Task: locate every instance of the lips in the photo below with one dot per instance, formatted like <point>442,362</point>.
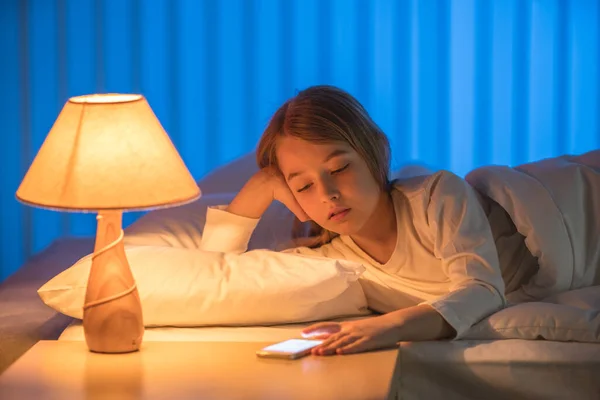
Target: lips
<point>338,213</point>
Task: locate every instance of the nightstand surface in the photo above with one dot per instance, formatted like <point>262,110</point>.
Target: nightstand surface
<point>193,370</point>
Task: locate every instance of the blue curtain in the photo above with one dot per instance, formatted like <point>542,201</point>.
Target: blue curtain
<point>455,84</point>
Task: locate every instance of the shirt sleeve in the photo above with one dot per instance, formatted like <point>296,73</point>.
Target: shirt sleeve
<point>230,233</point>
<point>226,232</point>
<point>463,242</point>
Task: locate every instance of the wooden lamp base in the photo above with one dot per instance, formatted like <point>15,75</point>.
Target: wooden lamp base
<point>112,313</point>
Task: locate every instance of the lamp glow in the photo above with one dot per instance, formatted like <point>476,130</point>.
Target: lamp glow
<point>108,153</point>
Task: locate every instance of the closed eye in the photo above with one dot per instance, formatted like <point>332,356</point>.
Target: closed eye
<point>340,169</point>
<point>303,188</point>
<point>337,171</point>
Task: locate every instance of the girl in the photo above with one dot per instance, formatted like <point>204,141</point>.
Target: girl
<point>432,267</point>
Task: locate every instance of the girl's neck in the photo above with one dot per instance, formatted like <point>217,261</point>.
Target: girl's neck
<point>378,237</point>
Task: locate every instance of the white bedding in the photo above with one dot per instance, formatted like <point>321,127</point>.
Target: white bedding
<point>553,203</point>
<point>499,369</point>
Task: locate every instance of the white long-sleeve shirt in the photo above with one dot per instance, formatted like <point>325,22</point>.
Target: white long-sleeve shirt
<point>445,254</point>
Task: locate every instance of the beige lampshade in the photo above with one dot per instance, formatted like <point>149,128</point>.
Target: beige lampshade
<point>107,152</point>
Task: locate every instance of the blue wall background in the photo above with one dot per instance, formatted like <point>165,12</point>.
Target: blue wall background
<point>455,84</point>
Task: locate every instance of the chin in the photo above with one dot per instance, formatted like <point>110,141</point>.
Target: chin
<point>348,228</point>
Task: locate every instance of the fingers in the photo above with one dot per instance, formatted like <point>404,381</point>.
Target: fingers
<point>332,345</point>
<point>285,196</point>
<point>354,347</point>
<point>269,182</point>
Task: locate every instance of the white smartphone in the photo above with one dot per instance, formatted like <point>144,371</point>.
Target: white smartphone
<point>289,349</point>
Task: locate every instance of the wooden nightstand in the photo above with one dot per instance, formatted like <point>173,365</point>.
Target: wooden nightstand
<point>193,370</point>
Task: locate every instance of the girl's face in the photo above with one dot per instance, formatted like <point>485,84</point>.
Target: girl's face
<point>331,182</point>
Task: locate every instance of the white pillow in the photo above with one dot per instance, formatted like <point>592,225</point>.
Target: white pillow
<point>183,226</point>
<point>586,298</point>
<point>411,170</point>
<point>571,316</point>
<point>231,177</point>
<point>189,287</point>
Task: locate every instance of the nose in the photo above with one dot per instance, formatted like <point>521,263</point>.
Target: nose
<point>329,190</point>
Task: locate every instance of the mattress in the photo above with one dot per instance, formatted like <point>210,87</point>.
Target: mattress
<point>498,369</point>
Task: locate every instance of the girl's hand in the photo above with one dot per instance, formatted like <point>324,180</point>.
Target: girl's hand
<point>353,336</point>
<point>260,191</point>
<point>281,191</point>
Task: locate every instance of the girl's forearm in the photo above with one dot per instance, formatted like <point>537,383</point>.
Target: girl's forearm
<point>253,200</point>
<point>419,323</point>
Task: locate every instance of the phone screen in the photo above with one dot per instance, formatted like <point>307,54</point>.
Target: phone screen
<point>293,346</point>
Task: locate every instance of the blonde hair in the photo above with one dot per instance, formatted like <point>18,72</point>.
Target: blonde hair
<point>326,114</point>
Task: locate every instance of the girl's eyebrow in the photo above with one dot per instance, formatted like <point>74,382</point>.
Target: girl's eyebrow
<point>335,153</point>
<point>331,155</point>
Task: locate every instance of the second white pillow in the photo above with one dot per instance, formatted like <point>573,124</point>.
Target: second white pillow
<point>575,317</point>
<point>190,287</point>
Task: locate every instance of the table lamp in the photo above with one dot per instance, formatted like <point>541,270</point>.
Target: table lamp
<point>107,153</point>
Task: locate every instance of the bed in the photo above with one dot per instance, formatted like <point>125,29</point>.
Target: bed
<point>491,369</point>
